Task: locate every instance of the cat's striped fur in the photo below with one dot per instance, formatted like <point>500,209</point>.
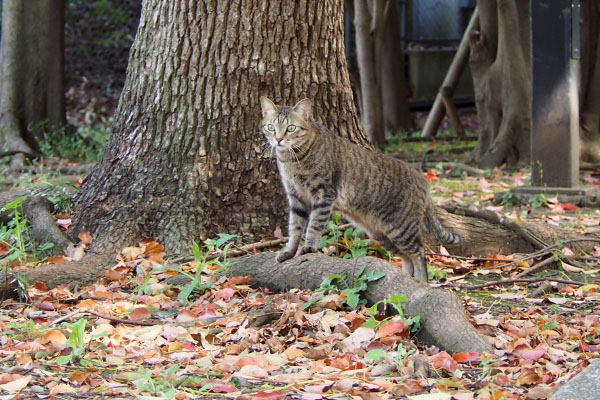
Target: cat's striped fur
<point>322,172</point>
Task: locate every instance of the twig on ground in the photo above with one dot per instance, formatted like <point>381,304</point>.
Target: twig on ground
<point>536,268</point>
<point>470,258</point>
<point>65,317</point>
<point>511,281</point>
<point>119,320</point>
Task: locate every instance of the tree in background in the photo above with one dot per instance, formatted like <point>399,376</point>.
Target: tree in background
<point>590,108</point>
<point>186,159</point>
<point>499,62</point>
<point>31,72</point>
<point>383,87</point>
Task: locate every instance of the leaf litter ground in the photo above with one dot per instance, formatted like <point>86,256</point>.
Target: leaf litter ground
<point>133,334</point>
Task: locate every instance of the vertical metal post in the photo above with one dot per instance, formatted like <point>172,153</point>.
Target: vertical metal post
<point>555,48</point>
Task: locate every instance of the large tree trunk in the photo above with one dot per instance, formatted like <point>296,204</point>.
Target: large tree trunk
<point>499,63</point>
<point>590,111</point>
<point>31,71</point>
<point>186,159</point>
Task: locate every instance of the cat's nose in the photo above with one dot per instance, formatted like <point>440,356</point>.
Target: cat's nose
<point>279,140</point>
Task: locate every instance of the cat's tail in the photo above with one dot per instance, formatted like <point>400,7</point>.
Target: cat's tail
<point>435,227</point>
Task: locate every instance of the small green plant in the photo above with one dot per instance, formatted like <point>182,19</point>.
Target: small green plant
<point>76,342</point>
<point>15,243</point>
<point>434,273</point>
<point>336,283</point>
<point>538,201</point>
<point>12,235</point>
<point>395,303</point>
<point>349,240</point>
<point>509,199</point>
<point>162,383</point>
<point>399,357</point>
<point>201,259</point>
<point>84,144</point>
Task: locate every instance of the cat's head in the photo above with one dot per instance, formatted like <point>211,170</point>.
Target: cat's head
<point>286,128</point>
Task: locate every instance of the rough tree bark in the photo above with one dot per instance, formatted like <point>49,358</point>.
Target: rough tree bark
<point>31,72</point>
<point>186,159</point>
<point>590,109</point>
<point>499,62</point>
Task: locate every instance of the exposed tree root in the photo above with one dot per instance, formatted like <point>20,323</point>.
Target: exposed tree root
<point>38,212</point>
<point>443,319</point>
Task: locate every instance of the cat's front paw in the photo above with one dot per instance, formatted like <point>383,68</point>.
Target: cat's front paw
<point>308,249</point>
<point>284,256</point>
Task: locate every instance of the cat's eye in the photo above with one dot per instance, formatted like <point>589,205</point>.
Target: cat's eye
<point>291,128</point>
<point>271,128</point>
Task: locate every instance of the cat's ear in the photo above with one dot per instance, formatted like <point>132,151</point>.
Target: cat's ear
<point>267,106</point>
<point>304,108</point>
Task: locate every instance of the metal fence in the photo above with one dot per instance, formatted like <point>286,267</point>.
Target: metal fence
<point>435,21</point>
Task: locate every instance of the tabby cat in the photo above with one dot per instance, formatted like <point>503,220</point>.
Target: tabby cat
<point>322,172</point>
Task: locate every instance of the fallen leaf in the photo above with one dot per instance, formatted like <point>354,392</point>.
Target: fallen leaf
<point>442,360</point>
<point>466,357</point>
<point>85,237</point>
<point>389,329</point>
<point>61,388</point>
<point>253,371</point>
<point>223,387</point>
<point>17,384</point>
<point>55,337</point>
<point>269,395</point>
<point>139,314</point>
<point>528,376</point>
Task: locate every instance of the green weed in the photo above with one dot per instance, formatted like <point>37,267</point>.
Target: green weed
<point>84,144</point>
<point>15,243</point>
<point>336,283</point>
<point>350,241</point>
<point>201,259</point>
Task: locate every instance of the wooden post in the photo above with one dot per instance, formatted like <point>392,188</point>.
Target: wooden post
<point>554,95</point>
<point>456,69</point>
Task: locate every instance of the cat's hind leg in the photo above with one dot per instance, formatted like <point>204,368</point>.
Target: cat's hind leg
<point>408,240</point>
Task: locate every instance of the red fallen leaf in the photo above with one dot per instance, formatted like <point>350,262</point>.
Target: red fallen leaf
<point>44,305</point>
<point>239,280</point>
<point>186,316</point>
<point>207,311</point>
<point>389,329</point>
<point>152,248</point>
<point>3,249</point>
<point>570,207</point>
<point>466,357</point>
<point>188,346</point>
<point>85,236</point>
<point>139,314</point>
<point>225,293</point>
<point>444,361</point>
<point>78,377</point>
<point>431,144</point>
<point>223,387</point>
<point>40,286</point>
<point>589,347</point>
<point>55,259</point>
<point>268,395</point>
<point>430,176</point>
<point>240,362</point>
<point>114,275</point>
